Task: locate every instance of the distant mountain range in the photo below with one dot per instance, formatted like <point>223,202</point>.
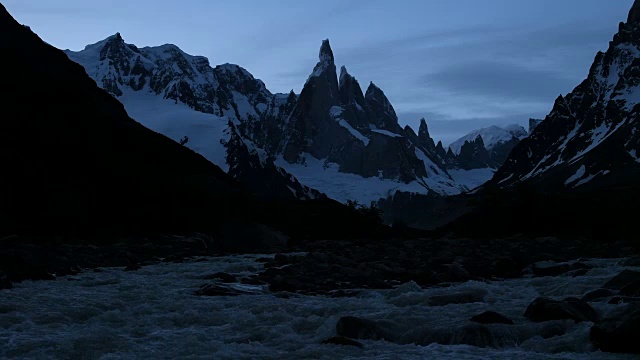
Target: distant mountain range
<point>331,139</point>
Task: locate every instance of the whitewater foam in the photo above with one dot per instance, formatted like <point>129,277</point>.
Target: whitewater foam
<point>152,313</point>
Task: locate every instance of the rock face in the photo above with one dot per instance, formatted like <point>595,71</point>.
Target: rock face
<point>533,123</point>
<point>591,135</point>
<point>253,167</point>
<point>333,120</point>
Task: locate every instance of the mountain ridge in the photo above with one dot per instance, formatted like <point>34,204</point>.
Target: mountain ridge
<point>355,130</point>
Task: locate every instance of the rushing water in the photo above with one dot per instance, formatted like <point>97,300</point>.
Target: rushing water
<point>152,313</point>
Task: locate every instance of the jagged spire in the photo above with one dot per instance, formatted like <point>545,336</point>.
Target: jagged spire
<point>424,137</point>
<point>325,64</point>
<point>372,89</point>
<point>343,74</point>
<point>634,13</point>
<point>478,140</point>
<point>326,54</point>
<point>424,129</point>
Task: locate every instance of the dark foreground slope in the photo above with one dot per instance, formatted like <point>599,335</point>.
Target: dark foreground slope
<point>72,158</point>
<point>607,214</point>
<point>73,162</point>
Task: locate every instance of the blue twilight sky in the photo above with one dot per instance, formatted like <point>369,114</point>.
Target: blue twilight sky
<point>461,64</point>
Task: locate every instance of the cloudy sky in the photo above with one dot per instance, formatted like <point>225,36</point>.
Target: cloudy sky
<point>461,64</point>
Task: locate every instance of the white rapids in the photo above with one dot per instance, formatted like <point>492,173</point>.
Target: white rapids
<point>152,313</point>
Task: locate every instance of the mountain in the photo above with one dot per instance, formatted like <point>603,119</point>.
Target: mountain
<point>591,134</point>
<point>332,137</point>
<point>485,148</point>
<point>74,162</point>
<point>533,123</point>
<point>577,173</point>
<point>182,97</point>
<point>492,136</point>
<point>77,161</point>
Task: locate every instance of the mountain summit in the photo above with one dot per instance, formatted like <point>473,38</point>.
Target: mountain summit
<point>592,134</point>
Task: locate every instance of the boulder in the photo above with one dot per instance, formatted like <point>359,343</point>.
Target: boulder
<point>456,273</point>
<point>626,277</point>
<point>358,328</point>
<point>548,268</point>
<point>5,283</point>
<point>545,309</point>
<point>222,277</point>
<point>132,267</point>
<point>221,290</point>
<point>623,299</point>
<point>249,237</point>
<point>632,289</point>
<point>507,268</point>
<point>598,294</point>
<point>618,332</point>
<point>491,317</point>
<point>462,297</point>
<point>340,340</point>
<point>632,261</point>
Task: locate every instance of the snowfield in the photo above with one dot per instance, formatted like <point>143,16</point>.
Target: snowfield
<point>206,132</point>
<point>152,313</point>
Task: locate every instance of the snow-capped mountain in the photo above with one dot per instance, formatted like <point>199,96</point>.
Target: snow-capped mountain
<point>483,148</point>
<point>491,136</point>
<point>184,98</point>
<point>331,137</point>
<point>591,135</point>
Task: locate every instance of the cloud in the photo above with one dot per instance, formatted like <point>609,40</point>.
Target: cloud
<point>498,80</point>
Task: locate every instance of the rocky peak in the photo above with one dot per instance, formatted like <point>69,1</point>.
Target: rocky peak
<point>115,49</point>
<point>326,65</point>
<point>410,133</point>
<point>533,123</point>
<point>383,114</point>
<point>236,78</point>
<point>350,91</point>
<point>292,97</point>
<point>424,138</point>
<point>373,91</point>
<point>473,154</point>
<point>634,13</point>
<point>352,100</point>
<point>588,136</point>
<point>440,150</point>
<point>326,54</point>
<point>343,75</point>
